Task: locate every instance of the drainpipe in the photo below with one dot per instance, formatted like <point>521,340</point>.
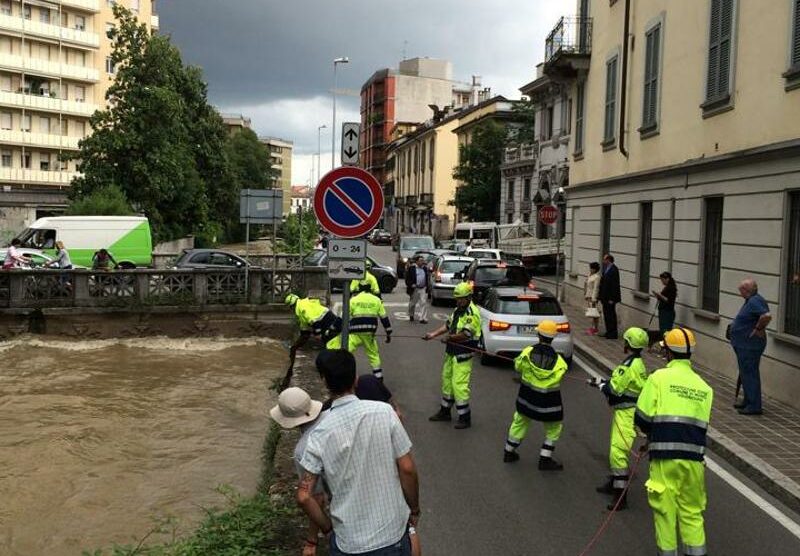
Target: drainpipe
<point>623,98</point>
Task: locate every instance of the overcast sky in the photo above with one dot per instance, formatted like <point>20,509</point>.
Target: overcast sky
<point>272,60</point>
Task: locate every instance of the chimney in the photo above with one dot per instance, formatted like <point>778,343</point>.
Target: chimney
<point>476,88</point>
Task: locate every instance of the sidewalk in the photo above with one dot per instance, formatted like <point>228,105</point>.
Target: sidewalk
<point>766,448</point>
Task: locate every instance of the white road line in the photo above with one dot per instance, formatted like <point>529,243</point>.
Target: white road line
<point>755,498</point>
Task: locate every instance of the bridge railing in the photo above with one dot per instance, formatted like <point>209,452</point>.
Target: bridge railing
<point>167,260</point>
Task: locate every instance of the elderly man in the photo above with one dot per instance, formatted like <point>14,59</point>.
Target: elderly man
<point>749,339</point>
<point>417,282</point>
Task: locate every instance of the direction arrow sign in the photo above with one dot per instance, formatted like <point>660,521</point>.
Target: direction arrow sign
<point>348,202</point>
<point>350,135</point>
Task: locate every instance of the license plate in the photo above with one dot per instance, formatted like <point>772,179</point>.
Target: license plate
<point>527,329</point>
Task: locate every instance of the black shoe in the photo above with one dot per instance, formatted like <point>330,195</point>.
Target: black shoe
<point>411,318</point>
<point>613,337</point>
<point>423,322</point>
<point>442,415</point>
<point>549,464</point>
<point>464,421</point>
<point>606,488</point>
<point>746,411</point>
<point>739,405</point>
<point>620,501</point>
<point>510,457</point>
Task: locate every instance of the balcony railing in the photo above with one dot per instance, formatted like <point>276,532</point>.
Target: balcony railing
<point>520,153</point>
<point>88,5</point>
<point>22,175</point>
<point>411,200</point>
<point>46,103</point>
<point>47,68</point>
<point>38,28</point>
<point>427,199</point>
<point>571,36</point>
<point>39,139</point>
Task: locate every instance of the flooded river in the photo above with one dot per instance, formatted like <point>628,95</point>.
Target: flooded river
<point>101,439</point>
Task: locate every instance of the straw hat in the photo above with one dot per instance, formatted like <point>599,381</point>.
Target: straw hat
<point>295,407</point>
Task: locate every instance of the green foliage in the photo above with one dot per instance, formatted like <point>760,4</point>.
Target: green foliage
<point>478,196</point>
<point>525,114</point>
<point>290,233</point>
<point>103,201</point>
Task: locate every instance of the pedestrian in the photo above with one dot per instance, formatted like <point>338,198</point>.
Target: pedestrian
<point>15,259</point>
<point>622,392</point>
<point>313,318</point>
<point>365,311</point>
<point>539,397</point>
<point>103,260</point>
<point>666,302</point>
<point>591,290</point>
<point>364,453</point>
<point>463,329</point>
<point>62,259</point>
<point>296,409</point>
<point>749,340</point>
<point>609,295</point>
<point>418,279</point>
<point>674,410</point>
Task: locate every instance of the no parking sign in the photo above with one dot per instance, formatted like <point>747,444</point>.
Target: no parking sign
<point>348,202</point>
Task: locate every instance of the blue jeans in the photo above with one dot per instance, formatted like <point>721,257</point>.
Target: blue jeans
<point>400,548</point>
<point>750,375</point>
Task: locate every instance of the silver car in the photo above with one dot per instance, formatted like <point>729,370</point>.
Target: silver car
<point>509,316</point>
<point>443,280</point>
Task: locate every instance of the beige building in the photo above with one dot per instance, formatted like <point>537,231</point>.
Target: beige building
<point>54,71</point>
<point>280,155</point>
<point>236,122</point>
<point>686,157</point>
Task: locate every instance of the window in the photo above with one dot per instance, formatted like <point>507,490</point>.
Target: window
<point>510,218</point>
<point>44,162</point>
<point>605,231</point>
<point>712,253</point>
<point>5,83</point>
<point>44,51</point>
<point>65,127</point>
<point>79,92</point>
<point>718,79</point>
<point>609,133</point>
<point>645,242</point>
<point>510,196</point>
<point>109,29</point>
<point>526,189</point>
<point>526,217</point>
<point>792,75</point>
<point>5,7</point>
<point>430,158</point>
<point>423,149</point>
<point>651,75</point>
<point>579,91</point>
<point>26,11</point>
<point>26,122</point>
<point>44,125</point>
<point>5,159</point>
<point>135,5</point>
<point>25,160</point>
<point>80,23</point>
<point>791,323</point>
<point>547,123</point>
<point>110,66</point>
<point>44,15</point>
<point>5,120</point>
<point>64,19</point>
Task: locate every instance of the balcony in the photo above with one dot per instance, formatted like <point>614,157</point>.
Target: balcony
<point>427,199</point>
<point>46,104</point>
<point>154,22</point>
<point>568,48</point>
<point>46,140</point>
<point>47,68</point>
<point>520,153</point>
<point>22,175</point>
<point>411,200</point>
<point>30,27</point>
<point>88,5</point>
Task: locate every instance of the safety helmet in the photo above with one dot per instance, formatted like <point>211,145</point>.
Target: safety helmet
<point>636,338</point>
<point>291,299</point>
<point>462,290</point>
<point>680,340</point>
<point>547,328</point>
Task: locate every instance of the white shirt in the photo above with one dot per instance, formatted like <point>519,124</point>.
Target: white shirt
<point>356,447</point>
<point>420,277</point>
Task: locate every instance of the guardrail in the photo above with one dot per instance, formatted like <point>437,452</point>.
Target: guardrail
<point>135,289</point>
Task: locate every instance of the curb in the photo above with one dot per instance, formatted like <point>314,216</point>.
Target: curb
<point>762,473</point>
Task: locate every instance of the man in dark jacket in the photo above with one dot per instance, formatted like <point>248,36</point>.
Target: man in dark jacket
<point>610,295</point>
<point>417,282</point>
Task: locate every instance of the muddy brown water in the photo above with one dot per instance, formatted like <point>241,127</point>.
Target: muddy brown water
<point>102,440</point>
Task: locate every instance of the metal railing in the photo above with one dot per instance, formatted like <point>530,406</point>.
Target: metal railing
<point>519,153</point>
<point>571,35</point>
<point>427,199</point>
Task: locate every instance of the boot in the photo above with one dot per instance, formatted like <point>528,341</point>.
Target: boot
<point>549,464</point>
<point>510,457</point>
<point>464,421</point>
<point>442,415</point>
<point>606,488</point>
<point>621,496</point>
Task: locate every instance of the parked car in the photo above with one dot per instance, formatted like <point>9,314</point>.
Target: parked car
<point>509,316</point>
<point>484,274</point>
<point>39,259</point>
<point>443,279</point>
<point>483,253</point>
<point>386,276</point>
<point>381,237</point>
<point>210,259</point>
<point>406,246</point>
<point>453,245</point>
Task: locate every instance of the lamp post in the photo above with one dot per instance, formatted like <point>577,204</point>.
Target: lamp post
<point>319,148</point>
<point>559,198</point>
<point>336,62</point>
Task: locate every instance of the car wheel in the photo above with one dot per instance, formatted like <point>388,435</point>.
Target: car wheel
<point>387,284</point>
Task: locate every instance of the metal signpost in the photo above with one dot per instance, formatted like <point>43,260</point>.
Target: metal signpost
<point>348,203</point>
<point>260,206</point>
<point>350,147</point>
<point>549,215</point>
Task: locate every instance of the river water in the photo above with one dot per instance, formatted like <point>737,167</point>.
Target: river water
<point>101,440</point>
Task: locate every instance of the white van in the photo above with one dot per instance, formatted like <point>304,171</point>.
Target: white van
<point>478,234</point>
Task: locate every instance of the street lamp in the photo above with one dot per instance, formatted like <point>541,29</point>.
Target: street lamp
<point>559,199</point>
<point>336,62</point>
<point>319,148</point>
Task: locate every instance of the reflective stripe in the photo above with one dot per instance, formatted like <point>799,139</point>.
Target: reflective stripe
<point>463,410</point>
<point>680,419</point>
<point>463,357</point>
<point>694,550</point>
<point>677,447</point>
<point>541,390</point>
<point>624,405</point>
<point>447,402</point>
<point>619,472</point>
<point>619,482</point>
<point>642,416</point>
<point>537,409</point>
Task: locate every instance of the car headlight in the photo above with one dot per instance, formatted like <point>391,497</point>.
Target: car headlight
<point>405,259</point>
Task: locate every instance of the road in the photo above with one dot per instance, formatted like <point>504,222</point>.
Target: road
<point>474,504</point>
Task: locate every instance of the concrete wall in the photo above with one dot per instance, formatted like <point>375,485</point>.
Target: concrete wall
<point>13,220</point>
<point>414,94</point>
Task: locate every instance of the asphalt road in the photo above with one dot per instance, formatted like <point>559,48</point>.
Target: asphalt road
<point>474,504</point>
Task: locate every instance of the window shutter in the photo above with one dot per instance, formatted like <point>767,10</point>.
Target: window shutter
<point>713,51</point>
<point>652,73</point>
<point>579,119</point>
<point>796,35</point>
<point>719,49</point>
<point>611,97</point>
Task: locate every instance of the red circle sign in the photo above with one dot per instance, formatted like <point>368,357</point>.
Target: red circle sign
<point>548,214</point>
<point>348,202</point>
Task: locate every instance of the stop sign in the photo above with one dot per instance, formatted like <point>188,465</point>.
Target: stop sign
<point>548,214</point>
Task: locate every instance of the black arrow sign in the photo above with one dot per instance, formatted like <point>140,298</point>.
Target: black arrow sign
<point>350,152</point>
<point>351,134</point>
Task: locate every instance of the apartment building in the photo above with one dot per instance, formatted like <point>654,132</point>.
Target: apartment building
<point>302,198</point>
<point>55,69</point>
<point>280,156</point>
<point>686,157</point>
<point>236,122</point>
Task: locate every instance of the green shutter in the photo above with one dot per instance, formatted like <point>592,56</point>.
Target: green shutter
<point>796,35</point>
<point>719,50</point>
<point>579,119</point>
<point>611,99</point>
<point>651,75</point>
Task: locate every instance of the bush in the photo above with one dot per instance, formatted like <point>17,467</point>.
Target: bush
<point>106,201</point>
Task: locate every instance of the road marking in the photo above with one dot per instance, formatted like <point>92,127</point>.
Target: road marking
<point>755,498</point>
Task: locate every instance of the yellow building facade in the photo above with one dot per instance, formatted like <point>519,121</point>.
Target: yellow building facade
<point>280,156</point>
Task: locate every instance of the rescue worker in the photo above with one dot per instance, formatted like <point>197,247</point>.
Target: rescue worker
<point>539,397</point>
<point>365,311</point>
<point>314,319</point>
<point>369,283</point>
<point>622,392</point>
<point>674,410</point>
<point>463,329</point>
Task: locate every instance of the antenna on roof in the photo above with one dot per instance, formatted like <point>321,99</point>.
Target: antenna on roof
<point>405,48</point>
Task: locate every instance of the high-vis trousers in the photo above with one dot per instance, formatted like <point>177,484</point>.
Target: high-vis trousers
<point>676,492</point>
<point>455,383</point>
<point>370,345</point>
<point>519,430</point>
<point>622,436</point>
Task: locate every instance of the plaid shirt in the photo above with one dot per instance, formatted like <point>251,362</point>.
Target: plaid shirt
<point>356,448</point>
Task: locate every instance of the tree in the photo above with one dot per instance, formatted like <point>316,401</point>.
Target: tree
<point>159,142</point>
<point>291,236</point>
<point>524,113</point>
<point>104,201</point>
<point>478,171</point>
